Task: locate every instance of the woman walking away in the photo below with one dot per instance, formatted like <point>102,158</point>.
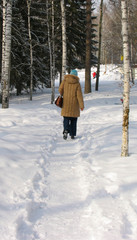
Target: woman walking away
<point>70,89</point>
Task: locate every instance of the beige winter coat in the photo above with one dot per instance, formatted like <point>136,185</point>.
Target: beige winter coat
<point>70,89</point>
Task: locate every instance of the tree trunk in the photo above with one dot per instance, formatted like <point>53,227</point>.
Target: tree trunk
<point>0,42</point>
<point>131,62</point>
<point>126,91</point>
<point>49,41</point>
<point>3,43</point>
<point>88,48</point>
<point>31,50</point>
<point>99,50</point>
<point>64,43</point>
<point>6,51</point>
<point>53,55</point>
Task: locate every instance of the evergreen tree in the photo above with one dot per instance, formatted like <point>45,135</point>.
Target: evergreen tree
<point>20,74</point>
<point>20,50</point>
<point>75,20</point>
<point>75,31</point>
<point>40,43</point>
<point>76,34</point>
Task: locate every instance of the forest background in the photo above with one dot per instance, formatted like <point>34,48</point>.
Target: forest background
<point>41,23</point>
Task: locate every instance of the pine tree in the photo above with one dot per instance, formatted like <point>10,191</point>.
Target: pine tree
<point>76,34</point>
<point>20,73</point>
<point>20,54</point>
<point>20,50</point>
<point>41,64</point>
<point>75,20</point>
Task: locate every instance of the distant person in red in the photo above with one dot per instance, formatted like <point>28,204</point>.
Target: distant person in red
<point>94,75</point>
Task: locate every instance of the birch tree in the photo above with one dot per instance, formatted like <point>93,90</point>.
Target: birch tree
<point>49,43</point>
<point>126,90</point>
<point>64,43</point>
<point>31,50</point>
<point>6,51</point>
<point>88,48</point>
<point>0,38</point>
<point>99,50</point>
<point>53,56</point>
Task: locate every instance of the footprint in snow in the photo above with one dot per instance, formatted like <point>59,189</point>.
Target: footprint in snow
<point>111,176</point>
<point>35,211</point>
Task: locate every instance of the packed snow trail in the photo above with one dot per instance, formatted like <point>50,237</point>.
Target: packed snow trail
<point>70,199</point>
<point>56,205</point>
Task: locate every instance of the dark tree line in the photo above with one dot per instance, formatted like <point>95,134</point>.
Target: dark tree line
<point>20,55</point>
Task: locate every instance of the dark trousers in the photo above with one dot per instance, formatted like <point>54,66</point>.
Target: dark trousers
<point>70,124</point>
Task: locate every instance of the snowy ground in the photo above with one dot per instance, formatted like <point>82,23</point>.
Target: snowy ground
<point>69,190</point>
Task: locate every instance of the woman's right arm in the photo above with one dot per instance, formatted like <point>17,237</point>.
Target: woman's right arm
<point>80,97</point>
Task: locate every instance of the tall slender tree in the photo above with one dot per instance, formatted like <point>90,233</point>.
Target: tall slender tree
<point>126,90</point>
<point>0,37</point>
<point>6,51</point>
<point>99,50</point>
<point>31,49</point>
<point>64,39</point>
<point>88,48</point>
<point>53,54</point>
<point>49,45</point>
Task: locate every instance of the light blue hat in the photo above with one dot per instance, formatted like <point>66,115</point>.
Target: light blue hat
<point>74,72</point>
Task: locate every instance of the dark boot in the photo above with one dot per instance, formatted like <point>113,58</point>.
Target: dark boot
<point>65,134</point>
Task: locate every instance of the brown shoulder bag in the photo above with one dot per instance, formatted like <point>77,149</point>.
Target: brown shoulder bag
<point>59,101</point>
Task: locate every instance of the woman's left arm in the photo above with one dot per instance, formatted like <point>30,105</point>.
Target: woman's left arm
<point>61,88</point>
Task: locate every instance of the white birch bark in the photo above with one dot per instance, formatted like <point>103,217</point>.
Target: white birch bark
<point>88,48</point>
<point>53,52</point>
<point>6,51</point>
<point>31,50</point>
<point>126,90</point>
<point>64,41</point>
<point>49,41</point>
<point>3,43</point>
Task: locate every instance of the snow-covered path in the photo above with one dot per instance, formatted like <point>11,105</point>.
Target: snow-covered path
<point>68,190</point>
<point>71,196</point>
